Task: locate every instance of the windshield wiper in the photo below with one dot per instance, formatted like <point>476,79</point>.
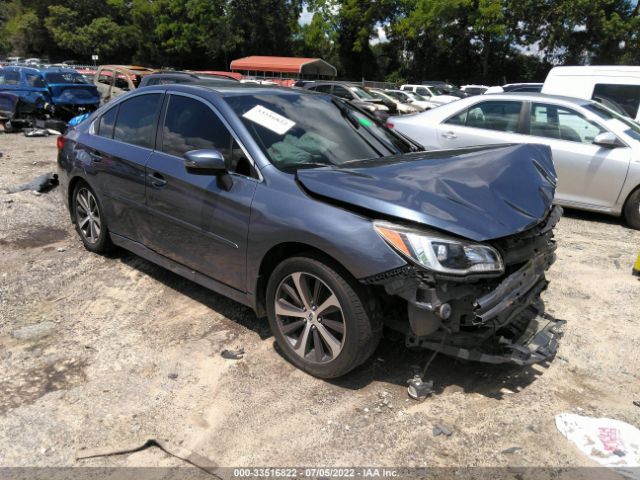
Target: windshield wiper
<point>346,112</point>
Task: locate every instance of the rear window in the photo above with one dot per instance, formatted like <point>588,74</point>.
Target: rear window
<point>136,122</point>
<point>623,97</point>
<point>66,77</point>
<point>35,80</point>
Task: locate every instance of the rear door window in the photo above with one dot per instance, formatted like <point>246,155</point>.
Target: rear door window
<point>502,116</point>
<point>9,77</point>
<point>623,97</point>
<point>340,91</point>
<point>136,120</point>
<point>107,122</point>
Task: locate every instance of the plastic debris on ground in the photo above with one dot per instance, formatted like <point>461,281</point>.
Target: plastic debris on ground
<point>233,354</point>
<point>609,442</point>
<point>40,184</point>
<point>418,389</point>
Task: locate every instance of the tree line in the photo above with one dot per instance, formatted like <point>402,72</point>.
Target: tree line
<point>488,41</point>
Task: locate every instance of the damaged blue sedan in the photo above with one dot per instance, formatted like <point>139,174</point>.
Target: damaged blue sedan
<point>302,207</point>
<point>31,96</point>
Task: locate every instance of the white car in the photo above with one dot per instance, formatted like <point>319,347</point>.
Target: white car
<point>474,89</point>
<point>595,150</point>
<point>433,94</point>
<point>411,98</point>
<point>401,105</point>
<point>617,86</point>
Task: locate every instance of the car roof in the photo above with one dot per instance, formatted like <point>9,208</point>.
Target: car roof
<point>532,96</point>
<point>20,68</point>
<point>230,89</point>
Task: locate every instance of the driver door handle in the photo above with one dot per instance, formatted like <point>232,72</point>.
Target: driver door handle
<point>157,180</point>
<point>449,135</point>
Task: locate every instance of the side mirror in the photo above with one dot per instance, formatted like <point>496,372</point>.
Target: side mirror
<point>607,140</point>
<point>205,162</point>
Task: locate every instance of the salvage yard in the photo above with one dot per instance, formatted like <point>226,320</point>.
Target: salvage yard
<point>104,353</point>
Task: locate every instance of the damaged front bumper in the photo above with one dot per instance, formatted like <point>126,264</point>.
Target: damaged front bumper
<point>538,344</point>
<point>492,319</point>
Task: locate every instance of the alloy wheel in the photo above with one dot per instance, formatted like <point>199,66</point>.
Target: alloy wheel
<point>310,318</point>
<point>88,215</point>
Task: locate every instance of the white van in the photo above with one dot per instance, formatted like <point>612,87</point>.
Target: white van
<point>617,87</point>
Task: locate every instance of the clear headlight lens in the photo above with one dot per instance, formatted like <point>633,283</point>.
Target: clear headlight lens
<point>441,254</point>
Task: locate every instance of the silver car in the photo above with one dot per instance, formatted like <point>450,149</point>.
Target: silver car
<point>595,150</point>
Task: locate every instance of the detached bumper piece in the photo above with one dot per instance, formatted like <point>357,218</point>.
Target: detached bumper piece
<point>538,344</point>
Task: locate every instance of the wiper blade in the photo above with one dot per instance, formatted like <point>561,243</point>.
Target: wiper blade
<point>346,112</point>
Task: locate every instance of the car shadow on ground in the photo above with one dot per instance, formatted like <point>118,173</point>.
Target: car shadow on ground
<point>592,216</point>
<point>234,311</point>
<point>391,363</point>
<point>395,364</point>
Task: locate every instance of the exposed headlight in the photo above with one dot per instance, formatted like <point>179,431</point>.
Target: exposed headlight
<point>440,254</point>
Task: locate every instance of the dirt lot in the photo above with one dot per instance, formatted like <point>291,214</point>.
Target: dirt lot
<point>106,352</point>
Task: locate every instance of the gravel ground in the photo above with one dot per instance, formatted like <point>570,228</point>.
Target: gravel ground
<point>107,352</point>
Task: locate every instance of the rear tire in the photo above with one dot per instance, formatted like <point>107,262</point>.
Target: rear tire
<point>631,210</point>
<point>333,338</point>
<point>89,219</point>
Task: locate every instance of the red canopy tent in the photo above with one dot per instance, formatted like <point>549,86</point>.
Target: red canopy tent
<point>276,66</point>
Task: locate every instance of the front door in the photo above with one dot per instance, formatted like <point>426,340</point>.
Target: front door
<point>200,221</point>
<point>588,174</point>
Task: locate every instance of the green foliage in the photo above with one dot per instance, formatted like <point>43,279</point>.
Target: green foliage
<point>490,41</point>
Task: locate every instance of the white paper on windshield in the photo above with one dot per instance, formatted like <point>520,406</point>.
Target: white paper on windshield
<point>269,119</point>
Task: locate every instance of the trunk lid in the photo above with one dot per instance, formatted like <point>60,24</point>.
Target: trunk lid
<point>74,94</point>
<point>480,193</point>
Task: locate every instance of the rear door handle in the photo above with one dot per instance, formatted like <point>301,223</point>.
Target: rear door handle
<point>95,156</point>
<point>157,180</point>
<point>450,135</point>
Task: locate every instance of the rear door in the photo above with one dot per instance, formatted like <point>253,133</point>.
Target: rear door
<point>484,123</point>
<point>115,157</point>
<point>200,221</point>
<point>588,174</point>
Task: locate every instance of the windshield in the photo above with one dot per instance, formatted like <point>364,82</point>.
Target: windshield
<point>437,91</point>
<point>362,93</point>
<point>66,77</point>
<point>306,131</point>
<point>416,96</point>
<point>631,128</point>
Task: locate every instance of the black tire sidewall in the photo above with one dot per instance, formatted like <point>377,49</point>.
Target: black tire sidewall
<point>632,210</point>
<point>104,242</point>
<point>359,334</point>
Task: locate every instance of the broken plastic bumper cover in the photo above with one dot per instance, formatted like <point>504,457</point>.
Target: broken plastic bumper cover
<point>538,344</point>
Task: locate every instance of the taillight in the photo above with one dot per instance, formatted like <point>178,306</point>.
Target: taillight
<point>389,125</point>
<point>60,142</point>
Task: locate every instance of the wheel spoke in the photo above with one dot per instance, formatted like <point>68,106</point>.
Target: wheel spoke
<point>333,325</point>
<point>83,222</point>
<point>301,345</point>
<point>317,346</point>
<point>293,294</point>
<point>332,301</point>
<point>286,309</point>
<point>330,340</point>
<point>301,288</point>
<point>83,202</point>
<point>292,327</point>
<point>92,228</point>
<point>317,285</point>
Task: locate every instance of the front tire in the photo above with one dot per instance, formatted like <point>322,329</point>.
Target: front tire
<point>319,317</point>
<point>631,210</point>
<point>89,219</point>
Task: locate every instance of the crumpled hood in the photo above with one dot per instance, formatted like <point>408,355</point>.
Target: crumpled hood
<point>479,193</point>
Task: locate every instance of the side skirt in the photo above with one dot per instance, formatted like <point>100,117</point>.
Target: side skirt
<point>189,274</point>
